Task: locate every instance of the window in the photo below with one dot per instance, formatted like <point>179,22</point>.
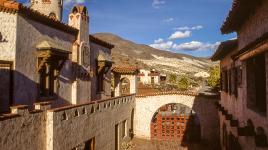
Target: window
<point>224,135</point>
<point>152,80</point>
<point>52,15</point>
<point>100,80</point>
<point>260,138</point>
<point>6,86</point>
<point>90,145</point>
<point>124,129</point>
<point>234,81</point>
<point>47,81</point>
<point>224,80</point>
<point>256,83</point>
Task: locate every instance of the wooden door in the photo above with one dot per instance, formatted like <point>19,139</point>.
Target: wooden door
<point>6,86</point>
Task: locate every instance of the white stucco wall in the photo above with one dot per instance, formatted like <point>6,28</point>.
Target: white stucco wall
<point>26,76</point>
<point>8,30</point>
<point>204,107</point>
<point>47,130</point>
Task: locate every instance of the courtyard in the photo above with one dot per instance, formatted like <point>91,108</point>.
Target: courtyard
<point>142,144</point>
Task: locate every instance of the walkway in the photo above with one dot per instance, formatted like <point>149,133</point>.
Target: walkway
<point>140,144</point>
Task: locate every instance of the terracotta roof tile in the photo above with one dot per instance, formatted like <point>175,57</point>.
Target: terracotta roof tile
<point>125,70</point>
<point>239,13</point>
<point>154,74</point>
<point>223,49</point>
<point>100,42</point>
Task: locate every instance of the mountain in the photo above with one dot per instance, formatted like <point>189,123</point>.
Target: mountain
<point>128,53</point>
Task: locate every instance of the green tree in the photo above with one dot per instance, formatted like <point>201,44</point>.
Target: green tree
<point>214,78</point>
<point>173,78</point>
<point>184,83</point>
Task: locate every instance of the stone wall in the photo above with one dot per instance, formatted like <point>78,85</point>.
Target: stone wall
<point>237,106</point>
<point>26,75</point>
<point>255,26</point>
<point>23,129</point>
<point>8,30</point>
<point>67,127</point>
<point>146,107</point>
<point>94,120</point>
<point>95,50</point>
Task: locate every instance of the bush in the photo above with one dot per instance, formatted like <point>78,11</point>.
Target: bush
<point>184,83</point>
<point>214,78</point>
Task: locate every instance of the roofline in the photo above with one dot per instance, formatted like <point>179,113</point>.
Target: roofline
<point>100,42</point>
<point>238,14</point>
<point>15,7</point>
<point>224,49</point>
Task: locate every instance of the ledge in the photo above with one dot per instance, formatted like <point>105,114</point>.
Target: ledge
<point>85,104</point>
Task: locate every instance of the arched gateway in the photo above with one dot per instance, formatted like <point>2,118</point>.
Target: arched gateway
<point>201,106</point>
<point>125,80</point>
<point>175,122</point>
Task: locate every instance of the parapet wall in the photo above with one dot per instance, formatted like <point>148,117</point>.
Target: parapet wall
<point>68,127</point>
<point>24,129</point>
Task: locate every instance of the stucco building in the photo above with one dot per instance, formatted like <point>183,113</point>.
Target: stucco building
<point>48,60</point>
<point>244,74</point>
<point>55,90</point>
<point>151,77</point>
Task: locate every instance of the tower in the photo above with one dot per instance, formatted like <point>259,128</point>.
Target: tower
<point>79,19</point>
<point>51,8</point>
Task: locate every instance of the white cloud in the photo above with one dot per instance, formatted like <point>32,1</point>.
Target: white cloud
<point>158,41</point>
<point>162,45</point>
<point>157,3</point>
<point>195,45</point>
<point>189,28</point>
<point>169,20</point>
<point>180,35</point>
<point>189,46</point>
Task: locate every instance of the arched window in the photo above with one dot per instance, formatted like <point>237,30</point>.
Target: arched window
<point>224,135</point>
<point>260,138</point>
<point>52,15</point>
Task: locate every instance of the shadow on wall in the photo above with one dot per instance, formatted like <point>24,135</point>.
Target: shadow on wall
<point>18,89</point>
<point>195,128</point>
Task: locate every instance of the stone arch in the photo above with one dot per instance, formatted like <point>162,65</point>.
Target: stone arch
<point>52,15</point>
<point>124,86</point>
<point>204,108</point>
<point>80,9</point>
<point>127,73</point>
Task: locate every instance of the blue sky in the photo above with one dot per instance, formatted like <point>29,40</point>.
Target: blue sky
<point>182,26</point>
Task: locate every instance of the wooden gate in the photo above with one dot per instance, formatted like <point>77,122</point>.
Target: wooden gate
<point>6,85</point>
<point>175,128</point>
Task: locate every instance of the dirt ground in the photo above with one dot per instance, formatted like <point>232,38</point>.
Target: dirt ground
<point>141,144</point>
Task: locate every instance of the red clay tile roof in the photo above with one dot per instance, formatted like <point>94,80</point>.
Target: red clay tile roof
<point>100,42</point>
<point>14,7</point>
<point>154,74</point>
<point>168,93</point>
<point>141,74</point>
<point>125,70</point>
<point>223,49</point>
<point>239,13</point>
<point>177,93</point>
